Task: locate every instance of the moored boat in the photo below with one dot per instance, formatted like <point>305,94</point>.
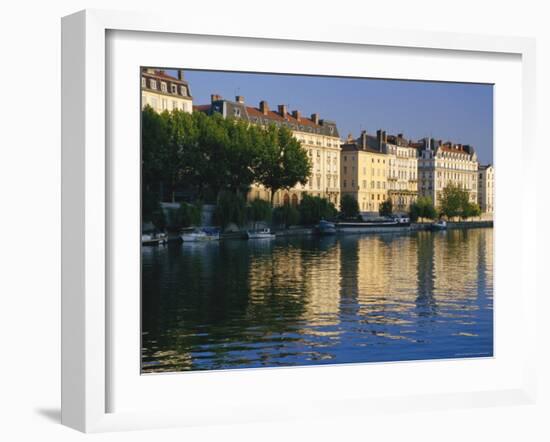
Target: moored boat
<point>198,235</point>
<point>260,234</point>
<point>439,225</point>
<point>326,228</point>
<point>153,239</point>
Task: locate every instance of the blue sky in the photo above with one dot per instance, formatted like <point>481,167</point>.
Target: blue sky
<point>458,112</point>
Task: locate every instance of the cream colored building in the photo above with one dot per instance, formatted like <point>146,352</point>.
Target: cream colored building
<point>486,188</point>
<point>364,174</point>
<point>164,92</point>
<point>440,164</point>
<point>402,170</point>
<point>317,136</point>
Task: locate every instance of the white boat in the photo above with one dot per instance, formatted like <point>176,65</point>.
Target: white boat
<point>440,225</point>
<point>326,228</point>
<point>153,239</point>
<point>260,234</point>
<point>199,235</point>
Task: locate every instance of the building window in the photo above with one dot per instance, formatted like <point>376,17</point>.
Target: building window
<point>183,91</point>
<point>143,82</point>
<point>237,112</point>
<point>345,184</point>
<point>174,89</point>
<point>163,87</point>
<point>153,84</point>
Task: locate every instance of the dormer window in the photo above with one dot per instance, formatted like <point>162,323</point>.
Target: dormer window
<point>174,89</point>
<point>163,87</point>
<point>237,112</point>
<point>143,82</point>
<point>183,91</point>
<point>153,84</point>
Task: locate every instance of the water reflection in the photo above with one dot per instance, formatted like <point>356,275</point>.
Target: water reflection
<point>302,301</point>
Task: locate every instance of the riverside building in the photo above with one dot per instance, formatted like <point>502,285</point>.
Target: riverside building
<point>364,173</point>
<point>440,164</point>
<point>319,137</point>
<point>164,92</point>
<point>486,188</point>
<point>402,169</point>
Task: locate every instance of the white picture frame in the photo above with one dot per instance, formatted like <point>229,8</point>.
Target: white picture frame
<point>86,210</point>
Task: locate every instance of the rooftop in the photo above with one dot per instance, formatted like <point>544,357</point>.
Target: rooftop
<point>262,114</point>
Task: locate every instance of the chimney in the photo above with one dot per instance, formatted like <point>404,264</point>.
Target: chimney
<point>239,99</point>
<point>363,139</point>
<point>400,136</point>
<point>384,137</point>
<point>283,110</point>
<point>180,74</point>
<point>296,114</point>
<point>264,108</point>
<point>215,97</point>
<point>379,138</point>
<point>315,118</point>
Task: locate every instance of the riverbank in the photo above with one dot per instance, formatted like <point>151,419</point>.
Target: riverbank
<point>294,231</point>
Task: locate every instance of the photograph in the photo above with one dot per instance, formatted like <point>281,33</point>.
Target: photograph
<point>292,220</point>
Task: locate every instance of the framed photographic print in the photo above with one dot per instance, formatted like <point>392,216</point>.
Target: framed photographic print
<point>248,217</point>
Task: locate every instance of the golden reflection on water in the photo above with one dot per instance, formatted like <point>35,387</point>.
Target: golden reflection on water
<point>326,299</point>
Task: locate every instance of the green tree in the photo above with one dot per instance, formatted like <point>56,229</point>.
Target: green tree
<point>349,207</point>
<point>313,208</point>
<point>153,139</point>
<point>188,215</point>
<point>259,210</point>
<point>454,201</point>
<point>422,208</point>
<point>471,210</point>
<point>152,211</point>
<point>282,161</point>
<point>386,208</point>
<point>230,208</point>
<point>241,155</point>
<point>287,215</point>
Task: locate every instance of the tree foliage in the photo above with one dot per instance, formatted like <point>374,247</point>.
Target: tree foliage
<point>282,162</point>
<point>230,208</point>
<point>210,154</point>
<point>455,201</point>
<point>423,207</point>
<point>188,215</point>
<point>386,208</point>
<point>313,208</point>
<point>286,215</point>
<point>349,207</point>
<point>152,211</point>
<point>259,210</point>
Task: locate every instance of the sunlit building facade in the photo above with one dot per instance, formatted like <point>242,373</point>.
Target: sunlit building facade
<point>402,170</point>
<point>440,164</point>
<point>162,92</point>
<point>364,174</point>
<point>486,188</point>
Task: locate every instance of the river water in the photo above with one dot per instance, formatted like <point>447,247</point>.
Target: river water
<point>304,301</point>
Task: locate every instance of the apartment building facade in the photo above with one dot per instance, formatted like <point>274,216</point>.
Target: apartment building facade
<point>486,188</point>
<point>440,164</point>
<point>364,173</point>
<point>164,92</point>
<point>402,170</point>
